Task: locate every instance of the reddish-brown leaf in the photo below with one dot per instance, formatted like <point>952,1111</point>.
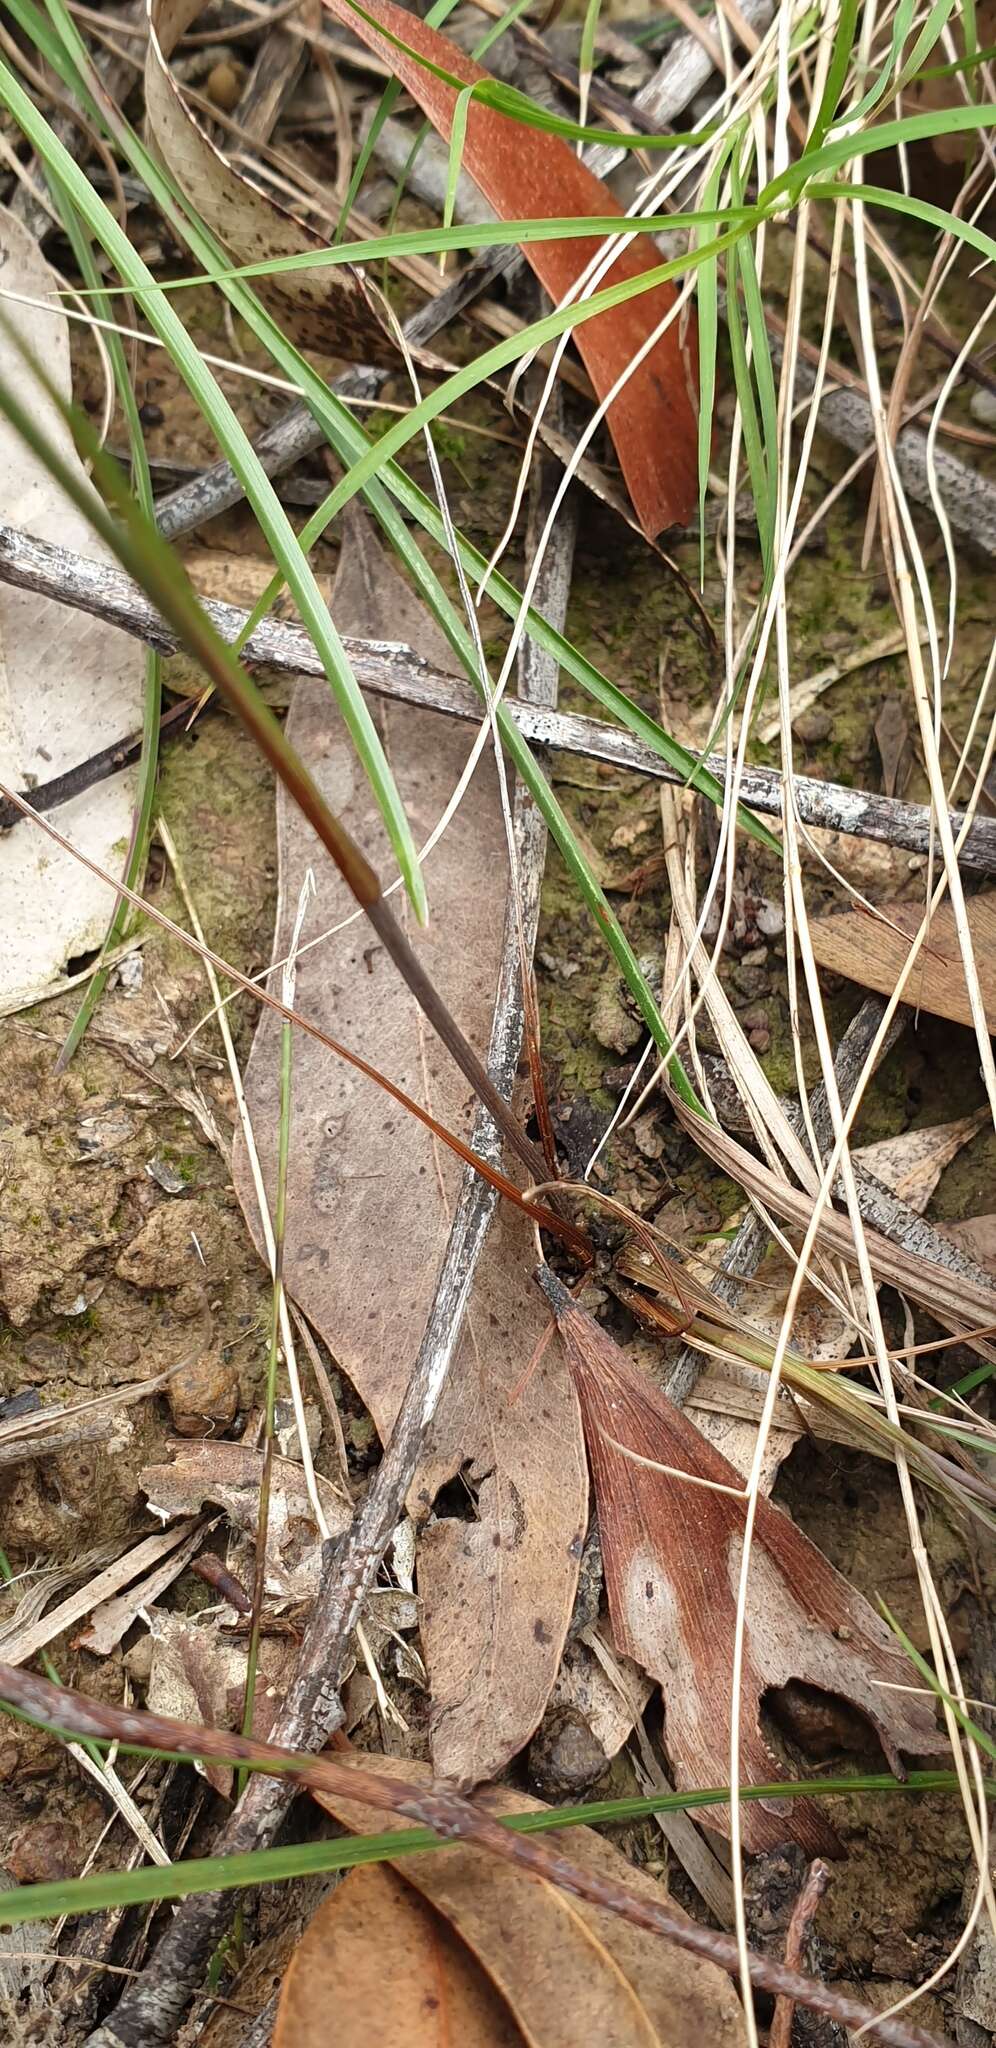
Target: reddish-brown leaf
<point>525,174</point>
<point>672,1555</point>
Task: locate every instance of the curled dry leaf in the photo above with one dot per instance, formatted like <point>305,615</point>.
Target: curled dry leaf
<point>672,1552</point>
<point>329,307</point>
<point>526,174</point>
<point>569,1971</point>
<point>391,1970</point>
<point>69,684</point>
<point>229,1476</point>
<point>874,950</point>
<point>370,1199</point>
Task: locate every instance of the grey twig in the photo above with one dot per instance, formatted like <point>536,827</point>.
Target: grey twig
<point>388,669</point>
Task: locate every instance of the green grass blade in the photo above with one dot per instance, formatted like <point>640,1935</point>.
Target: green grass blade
<point>458,137</point>
<point>937,217</point>
<point>792,182</point>
<point>707,307</point>
<point>109,1889</point>
<point>837,70</point>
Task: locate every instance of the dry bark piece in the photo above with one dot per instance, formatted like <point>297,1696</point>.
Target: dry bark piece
<point>329,306</point>
<point>672,1553</point>
<point>874,952</point>
<point>229,1476</point>
<point>370,1202</point>
<point>391,1970</point>
<point>568,1970</point>
<point>526,174</point>
<point>68,685</point>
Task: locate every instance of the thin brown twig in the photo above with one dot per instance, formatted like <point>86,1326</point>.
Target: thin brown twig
<point>451,1817</point>
<point>803,1914</point>
<point>47,796</point>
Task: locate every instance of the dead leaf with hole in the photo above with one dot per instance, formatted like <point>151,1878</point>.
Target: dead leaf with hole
<point>229,1476</point>
<point>568,1971</point>
<point>371,1196</point>
<point>874,950</point>
<point>328,307</point>
<point>672,1549</point>
<point>526,174</point>
<point>391,1970</point>
<point>69,684</point>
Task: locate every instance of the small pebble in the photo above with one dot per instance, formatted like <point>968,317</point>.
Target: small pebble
<point>165,1175</point>
<point>564,1755</point>
<point>224,87</point>
<point>45,1853</point>
<point>982,406</point>
<point>203,1396</point>
<point>812,726</point>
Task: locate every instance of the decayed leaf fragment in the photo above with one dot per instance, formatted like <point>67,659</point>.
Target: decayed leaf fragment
<point>229,1475</point>
<point>69,684</point>
<point>672,1552</point>
<point>526,174</point>
<point>568,1971</point>
<point>253,226</point>
<point>874,951</point>
<point>391,1970</point>
<point>370,1199</point>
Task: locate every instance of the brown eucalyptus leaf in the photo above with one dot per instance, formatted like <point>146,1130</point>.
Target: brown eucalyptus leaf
<point>391,1970</point>
<point>874,952</point>
<point>570,1972</point>
<point>330,308</point>
<point>526,174</point>
<point>672,1552</point>
<point>370,1198</point>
